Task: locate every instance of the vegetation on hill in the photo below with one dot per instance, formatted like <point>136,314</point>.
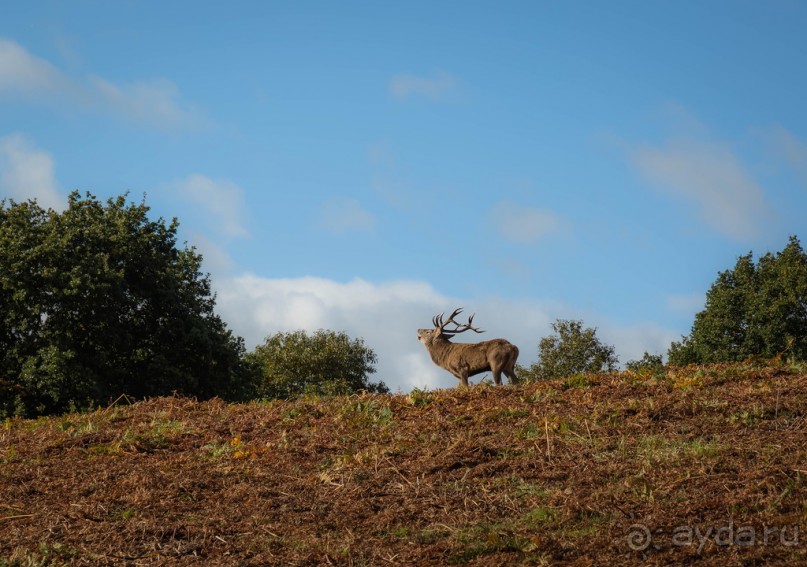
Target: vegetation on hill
<point>755,309</point>
<point>325,362</point>
<point>703,463</point>
<point>97,301</point>
<point>571,349</point>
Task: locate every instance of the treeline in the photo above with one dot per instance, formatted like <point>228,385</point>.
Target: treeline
<point>756,309</point>
<point>99,300</point>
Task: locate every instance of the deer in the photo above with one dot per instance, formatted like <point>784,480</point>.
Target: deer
<point>468,359</point>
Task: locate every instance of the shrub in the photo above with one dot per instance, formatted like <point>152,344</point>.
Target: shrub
<point>325,363</point>
<point>572,349</point>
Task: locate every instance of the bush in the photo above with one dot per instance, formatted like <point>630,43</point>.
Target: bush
<point>572,349</point>
<point>325,363</point>
<point>648,362</point>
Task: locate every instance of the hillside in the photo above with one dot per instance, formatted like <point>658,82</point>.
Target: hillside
<point>709,461</point>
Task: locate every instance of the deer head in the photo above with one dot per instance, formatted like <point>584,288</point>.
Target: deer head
<point>428,336</point>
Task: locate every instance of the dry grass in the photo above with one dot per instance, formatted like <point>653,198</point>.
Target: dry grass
<point>710,461</point>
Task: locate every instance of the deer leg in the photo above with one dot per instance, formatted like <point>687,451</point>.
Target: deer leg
<point>464,379</point>
<point>511,375</point>
<point>497,376</point>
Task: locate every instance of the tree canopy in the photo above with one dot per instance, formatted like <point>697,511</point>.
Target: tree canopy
<point>98,301</point>
<point>325,362</point>
<point>570,350</point>
<point>754,309</point>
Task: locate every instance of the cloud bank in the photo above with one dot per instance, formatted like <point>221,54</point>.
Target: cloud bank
<point>387,315</point>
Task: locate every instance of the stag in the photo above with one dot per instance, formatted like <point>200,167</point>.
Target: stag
<point>468,359</point>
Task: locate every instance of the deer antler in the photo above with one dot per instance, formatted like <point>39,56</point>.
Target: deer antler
<point>440,325</point>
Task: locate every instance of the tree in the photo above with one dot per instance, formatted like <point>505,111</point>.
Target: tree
<point>752,310</point>
<point>571,350</point>
<point>648,362</point>
<point>326,362</point>
<point>98,301</point>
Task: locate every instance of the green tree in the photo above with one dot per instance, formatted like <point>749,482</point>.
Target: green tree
<point>98,301</point>
<point>755,309</point>
<point>570,350</point>
<point>648,362</point>
<point>325,362</point>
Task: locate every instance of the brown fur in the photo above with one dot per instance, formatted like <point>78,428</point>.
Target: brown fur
<point>468,359</point>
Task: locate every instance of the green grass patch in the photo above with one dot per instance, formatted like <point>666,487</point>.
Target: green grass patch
<point>489,538</point>
<point>419,398</point>
<point>363,414</point>
<point>581,380</point>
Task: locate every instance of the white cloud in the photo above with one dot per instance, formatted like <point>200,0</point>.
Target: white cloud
<point>23,73</point>
<point>223,199</point>
<point>524,225</point>
<point>706,173</point>
<point>344,215</point>
<point>437,87</point>
<point>155,103</point>
<point>26,172</point>
<point>385,315</point>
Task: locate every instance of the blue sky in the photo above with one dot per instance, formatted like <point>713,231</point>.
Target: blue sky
<point>362,166</point>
